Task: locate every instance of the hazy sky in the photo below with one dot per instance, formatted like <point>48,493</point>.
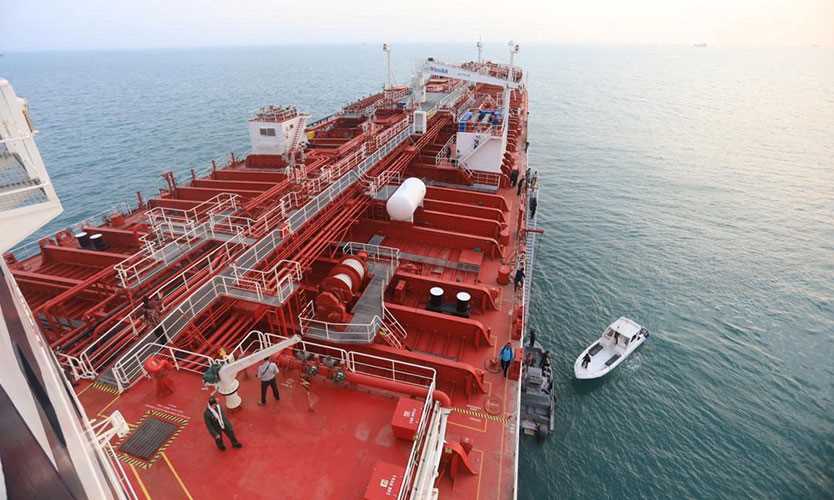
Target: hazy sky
<point>97,24</point>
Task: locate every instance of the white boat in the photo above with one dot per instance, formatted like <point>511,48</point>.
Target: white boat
<point>619,340</point>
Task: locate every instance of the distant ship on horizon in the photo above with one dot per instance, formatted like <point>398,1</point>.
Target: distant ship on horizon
<point>700,45</point>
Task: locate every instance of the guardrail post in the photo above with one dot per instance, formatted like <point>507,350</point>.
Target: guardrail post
<point>174,357</point>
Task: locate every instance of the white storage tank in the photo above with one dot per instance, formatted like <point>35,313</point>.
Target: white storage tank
<point>405,200</point>
<point>420,122</point>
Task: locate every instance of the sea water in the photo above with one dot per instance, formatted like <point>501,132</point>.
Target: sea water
<point>690,189</point>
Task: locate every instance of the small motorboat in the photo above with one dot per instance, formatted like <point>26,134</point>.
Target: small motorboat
<point>618,341</point>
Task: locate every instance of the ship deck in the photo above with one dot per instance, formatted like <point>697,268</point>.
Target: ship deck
<point>288,451</point>
<point>249,248</point>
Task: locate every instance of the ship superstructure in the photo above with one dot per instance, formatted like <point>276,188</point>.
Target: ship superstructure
<point>374,252</point>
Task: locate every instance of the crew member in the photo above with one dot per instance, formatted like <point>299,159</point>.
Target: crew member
<point>519,278</point>
<point>267,374</point>
<point>506,357</point>
<point>534,202</point>
<point>514,177</point>
<point>152,311</point>
<point>586,360</point>
<point>217,425</point>
<point>545,362</point>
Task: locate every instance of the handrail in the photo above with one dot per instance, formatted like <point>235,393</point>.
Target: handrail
<point>374,252</point>
<point>369,365</point>
<point>189,217</point>
<point>445,152</point>
<point>126,368</point>
<point>357,362</point>
<point>132,269</point>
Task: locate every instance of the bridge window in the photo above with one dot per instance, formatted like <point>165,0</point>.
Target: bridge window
<point>269,132</point>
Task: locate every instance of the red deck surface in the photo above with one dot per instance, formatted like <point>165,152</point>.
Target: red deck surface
<point>290,452</point>
<point>283,442</point>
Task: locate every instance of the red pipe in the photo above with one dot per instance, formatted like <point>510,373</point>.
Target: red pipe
<point>379,383</point>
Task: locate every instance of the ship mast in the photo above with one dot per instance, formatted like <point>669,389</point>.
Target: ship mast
<point>513,51</point>
<point>480,47</point>
<point>388,78</point>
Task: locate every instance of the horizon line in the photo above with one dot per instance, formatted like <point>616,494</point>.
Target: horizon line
<point>412,43</point>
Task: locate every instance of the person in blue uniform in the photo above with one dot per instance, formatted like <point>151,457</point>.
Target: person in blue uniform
<point>506,357</point>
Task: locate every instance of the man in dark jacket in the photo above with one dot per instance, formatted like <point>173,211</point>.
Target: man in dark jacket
<point>519,278</point>
<point>217,424</point>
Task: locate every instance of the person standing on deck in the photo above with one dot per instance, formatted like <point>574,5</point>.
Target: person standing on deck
<point>506,357</point>
<point>514,177</point>
<point>519,278</point>
<point>586,360</point>
<point>152,312</point>
<point>267,373</point>
<point>534,202</point>
<point>521,185</point>
<point>217,425</point>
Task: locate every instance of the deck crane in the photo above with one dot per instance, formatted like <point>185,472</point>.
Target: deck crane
<point>227,383</point>
<point>433,67</point>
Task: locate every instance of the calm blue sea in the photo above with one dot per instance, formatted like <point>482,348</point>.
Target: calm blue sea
<point>690,189</point>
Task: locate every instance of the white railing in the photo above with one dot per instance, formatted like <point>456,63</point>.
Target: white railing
<point>163,217</point>
<point>134,269</point>
<point>462,161</point>
<point>492,179</point>
<point>374,252</point>
<point>121,479</point>
<point>99,352</point>
<point>445,152</point>
<point>312,207</point>
<point>417,448</point>
<point>427,468</point>
<point>356,362</point>
<point>359,333</point>
<point>369,365</point>
<point>206,264</point>
<point>127,369</point>
<point>375,184</point>
<point>280,281</point>
<point>391,131</point>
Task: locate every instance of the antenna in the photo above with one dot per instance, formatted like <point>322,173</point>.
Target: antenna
<point>480,47</point>
<point>387,49</point>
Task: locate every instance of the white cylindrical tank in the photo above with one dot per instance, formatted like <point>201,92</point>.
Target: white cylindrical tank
<point>405,200</point>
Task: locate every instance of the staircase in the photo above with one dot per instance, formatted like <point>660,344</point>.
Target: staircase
<point>392,330</point>
<point>463,159</point>
<point>299,129</point>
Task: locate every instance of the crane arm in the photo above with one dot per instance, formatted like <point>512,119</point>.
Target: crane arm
<point>434,68</point>
<point>228,373</point>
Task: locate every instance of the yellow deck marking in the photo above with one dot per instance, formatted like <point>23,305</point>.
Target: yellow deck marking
<point>139,479</point>
<point>480,473</point>
<point>174,471</point>
<point>100,413</point>
<point>82,391</point>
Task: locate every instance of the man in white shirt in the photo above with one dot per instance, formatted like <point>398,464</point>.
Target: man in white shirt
<point>267,374</point>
